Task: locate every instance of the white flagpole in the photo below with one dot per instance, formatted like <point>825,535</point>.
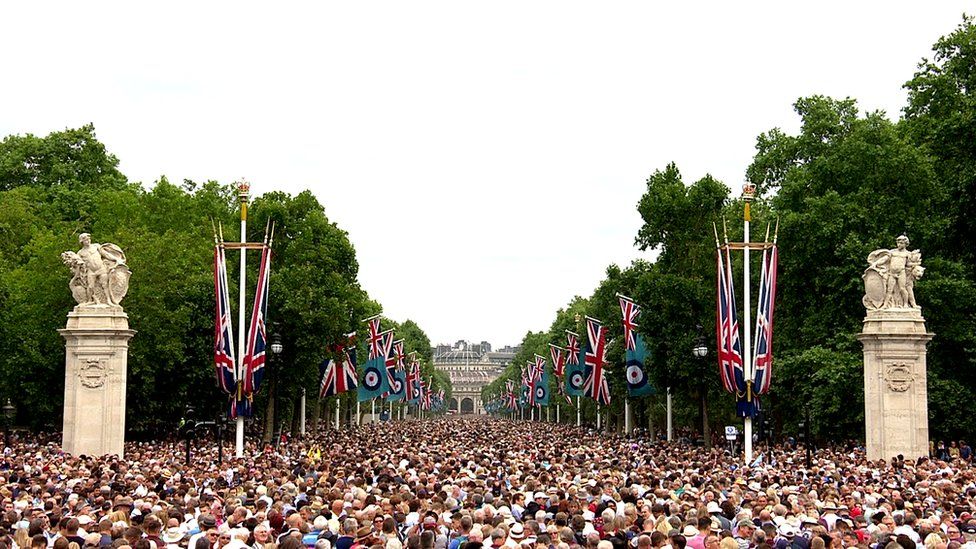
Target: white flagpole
<point>578,423</point>
<point>598,417</point>
<point>302,414</point>
<point>670,427</point>
<point>242,194</point>
<point>627,418</point>
<point>747,307</point>
<point>357,411</point>
<point>337,413</point>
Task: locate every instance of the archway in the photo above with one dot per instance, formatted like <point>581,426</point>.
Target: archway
<point>467,405</point>
<point>452,404</point>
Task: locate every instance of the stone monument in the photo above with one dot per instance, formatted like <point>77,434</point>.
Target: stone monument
<point>97,346</point>
<point>894,338</point>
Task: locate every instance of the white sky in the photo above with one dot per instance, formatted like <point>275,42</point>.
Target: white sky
<point>486,158</point>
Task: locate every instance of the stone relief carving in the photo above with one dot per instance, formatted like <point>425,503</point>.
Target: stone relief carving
<point>898,377</point>
<point>93,373</point>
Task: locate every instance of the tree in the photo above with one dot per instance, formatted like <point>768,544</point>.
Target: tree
<point>940,116</point>
<point>848,184</point>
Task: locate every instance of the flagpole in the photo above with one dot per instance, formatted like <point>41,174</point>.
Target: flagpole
<point>598,416</point>
<point>747,356</point>
<point>557,413</point>
<point>578,423</point>
<point>670,428</point>
<point>627,418</point>
<point>337,413</point>
<point>242,195</point>
<point>301,415</point>
<point>357,412</point>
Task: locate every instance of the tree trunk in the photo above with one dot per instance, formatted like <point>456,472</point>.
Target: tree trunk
<point>313,424</point>
<point>269,412</point>
<point>706,428</point>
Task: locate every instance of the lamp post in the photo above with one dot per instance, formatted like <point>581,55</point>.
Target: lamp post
<point>9,411</point>
<point>276,349</point>
<point>700,351</point>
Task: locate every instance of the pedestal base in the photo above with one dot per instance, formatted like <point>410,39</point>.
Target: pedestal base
<point>96,355</point>
<point>895,396</point>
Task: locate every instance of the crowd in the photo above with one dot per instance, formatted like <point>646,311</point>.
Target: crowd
<point>460,483</point>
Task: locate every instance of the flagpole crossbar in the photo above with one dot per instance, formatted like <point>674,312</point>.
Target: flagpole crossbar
<point>244,245</point>
<point>750,245</point>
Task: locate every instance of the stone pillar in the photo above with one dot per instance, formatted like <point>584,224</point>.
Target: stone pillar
<point>96,354</point>
<point>895,396</point>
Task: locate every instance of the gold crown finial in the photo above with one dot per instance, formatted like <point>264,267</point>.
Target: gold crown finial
<point>748,191</point>
<point>243,188</point>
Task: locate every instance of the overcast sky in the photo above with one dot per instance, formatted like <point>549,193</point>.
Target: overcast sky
<point>486,158</point>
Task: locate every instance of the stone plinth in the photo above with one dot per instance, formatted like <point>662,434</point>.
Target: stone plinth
<point>895,396</point>
<point>97,349</point>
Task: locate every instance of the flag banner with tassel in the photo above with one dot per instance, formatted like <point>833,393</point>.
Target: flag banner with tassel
<point>635,351</point>
<point>595,386</point>
<point>373,381</point>
<point>541,377</point>
<point>575,375</point>
<point>762,363</point>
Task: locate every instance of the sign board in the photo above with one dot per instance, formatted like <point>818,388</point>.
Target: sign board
<point>731,432</point>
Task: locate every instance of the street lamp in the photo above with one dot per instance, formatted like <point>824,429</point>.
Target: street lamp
<point>9,411</point>
<point>276,349</point>
<point>700,351</point>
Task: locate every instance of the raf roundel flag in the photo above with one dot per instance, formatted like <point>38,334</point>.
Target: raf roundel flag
<point>575,373</point>
<point>373,380</point>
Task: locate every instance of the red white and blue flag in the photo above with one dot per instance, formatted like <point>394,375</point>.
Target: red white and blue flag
<point>254,357</point>
<point>730,363</point>
<point>557,354</point>
<point>375,337</point>
<point>575,374</point>
<point>396,374</point>
<point>224,363</point>
<point>635,351</point>
<point>339,377</point>
<point>426,398</point>
<point>595,385</point>
<point>511,397</point>
<point>413,382</point>
<point>762,363</point>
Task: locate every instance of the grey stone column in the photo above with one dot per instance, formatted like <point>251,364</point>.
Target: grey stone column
<point>895,395</point>
<point>96,356</point>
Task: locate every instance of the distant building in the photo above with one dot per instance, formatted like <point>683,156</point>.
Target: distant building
<point>471,366</point>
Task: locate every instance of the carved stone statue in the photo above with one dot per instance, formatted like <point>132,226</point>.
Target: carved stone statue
<point>889,280</point>
<point>99,273</point>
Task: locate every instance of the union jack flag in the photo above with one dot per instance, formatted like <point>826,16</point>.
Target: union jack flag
<point>426,400</point>
<point>762,363</point>
<point>341,377</point>
<point>257,338</point>
<point>413,382</point>
<point>575,376</point>
<point>511,398</point>
<point>375,337</point>
<point>225,365</point>
<point>558,360</point>
<point>595,385</point>
<point>630,310</point>
<point>727,329</point>
<point>528,382</point>
<point>395,372</point>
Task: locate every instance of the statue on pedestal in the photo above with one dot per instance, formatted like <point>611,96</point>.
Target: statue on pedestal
<point>889,280</point>
<point>100,276</point>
